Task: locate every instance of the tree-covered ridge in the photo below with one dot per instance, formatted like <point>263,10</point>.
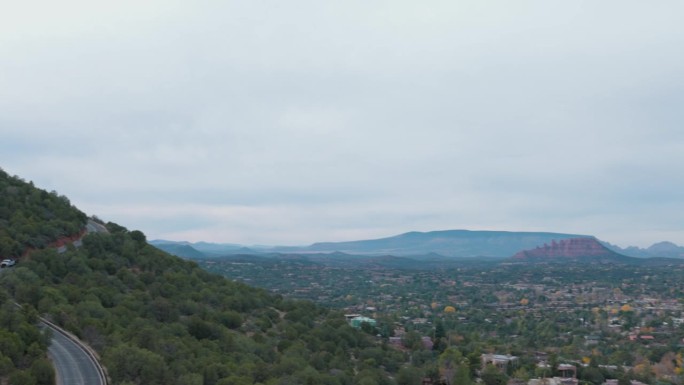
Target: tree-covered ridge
<point>157,319</point>
<point>33,218</point>
<point>23,346</point>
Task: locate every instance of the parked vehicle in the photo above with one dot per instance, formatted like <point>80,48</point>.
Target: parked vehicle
<point>7,263</point>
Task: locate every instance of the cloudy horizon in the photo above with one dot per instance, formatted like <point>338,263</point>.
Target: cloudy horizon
<point>292,123</point>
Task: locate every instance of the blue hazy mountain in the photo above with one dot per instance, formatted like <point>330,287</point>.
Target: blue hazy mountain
<point>179,249</point>
<point>657,250</point>
<point>421,247</point>
<point>447,243</point>
<point>186,249</point>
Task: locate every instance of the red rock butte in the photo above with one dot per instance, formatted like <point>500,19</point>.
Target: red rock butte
<point>572,248</point>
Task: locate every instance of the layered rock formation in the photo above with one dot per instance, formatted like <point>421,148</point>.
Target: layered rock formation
<point>569,249</point>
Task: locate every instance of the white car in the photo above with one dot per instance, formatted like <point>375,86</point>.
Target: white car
<point>7,262</point>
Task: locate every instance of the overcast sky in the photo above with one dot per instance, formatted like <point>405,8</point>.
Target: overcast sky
<point>290,122</point>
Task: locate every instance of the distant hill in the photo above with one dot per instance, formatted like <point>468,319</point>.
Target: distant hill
<point>179,250</point>
<point>657,250</point>
<point>447,243</point>
<point>435,247</point>
<point>574,249</point>
<point>205,249</point>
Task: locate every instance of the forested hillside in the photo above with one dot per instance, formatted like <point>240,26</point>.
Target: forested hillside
<point>33,218</point>
<point>157,319</point>
<point>29,218</point>
<point>23,347</point>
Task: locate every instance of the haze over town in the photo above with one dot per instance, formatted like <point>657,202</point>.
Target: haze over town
<point>296,122</point>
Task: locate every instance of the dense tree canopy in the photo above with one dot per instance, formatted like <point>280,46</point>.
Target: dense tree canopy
<point>33,218</point>
<point>23,346</point>
<point>157,319</point>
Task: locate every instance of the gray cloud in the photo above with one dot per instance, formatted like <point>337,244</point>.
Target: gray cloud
<point>266,122</point>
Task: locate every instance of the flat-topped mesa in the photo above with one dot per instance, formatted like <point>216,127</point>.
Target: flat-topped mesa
<point>573,248</point>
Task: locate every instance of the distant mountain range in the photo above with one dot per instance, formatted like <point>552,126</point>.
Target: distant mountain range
<point>182,250</point>
<point>186,249</point>
<point>434,244</point>
<point>657,250</point>
<point>444,245</point>
<point>448,243</point>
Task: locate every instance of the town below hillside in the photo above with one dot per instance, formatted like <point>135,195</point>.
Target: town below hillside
<point>576,321</point>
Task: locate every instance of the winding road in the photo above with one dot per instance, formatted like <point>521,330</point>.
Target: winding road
<point>73,364</point>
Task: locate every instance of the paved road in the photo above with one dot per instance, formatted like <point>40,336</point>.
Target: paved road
<point>72,365</point>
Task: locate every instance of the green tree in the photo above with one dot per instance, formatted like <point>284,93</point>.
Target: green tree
<point>521,374</point>
<point>413,340</point>
<point>440,340</point>
<point>451,361</point>
<point>128,363</point>
<point>623,379</point>
<point>592,375</point>
<point>6,365</point>
<point>11,346</point>
<point>491,375</point>
<point>43,371</point>
<point>22,378</point>
<point>462,376</point>
<point>409,375</point>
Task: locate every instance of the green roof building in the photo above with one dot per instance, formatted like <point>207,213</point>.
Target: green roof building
<point>357,321</point>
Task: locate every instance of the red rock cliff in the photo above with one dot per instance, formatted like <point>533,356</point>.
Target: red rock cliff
<point>568,249</point>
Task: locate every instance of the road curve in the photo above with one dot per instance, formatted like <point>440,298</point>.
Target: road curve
<point>73,365</point>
